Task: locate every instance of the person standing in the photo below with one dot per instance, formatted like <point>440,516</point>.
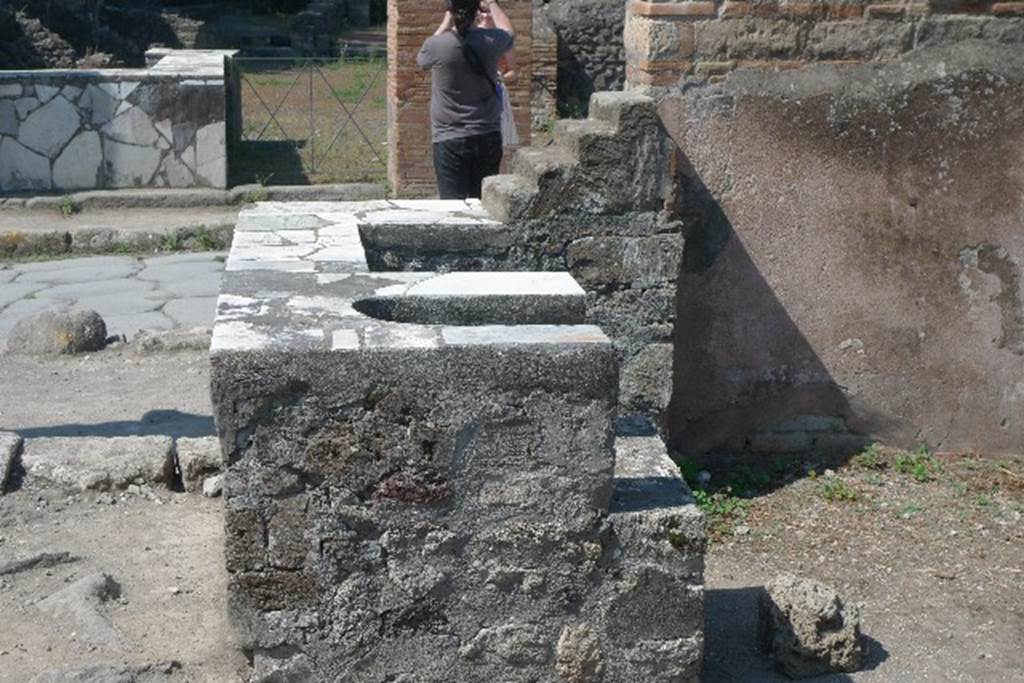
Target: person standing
<point>465,104</point>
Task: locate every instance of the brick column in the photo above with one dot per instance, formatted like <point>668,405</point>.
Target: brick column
<point>410,22</point>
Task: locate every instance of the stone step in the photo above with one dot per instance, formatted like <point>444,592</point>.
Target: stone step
<point>507,197</point>
<point>618,108</point>
<point>538,163</point>
<point>576,135</point>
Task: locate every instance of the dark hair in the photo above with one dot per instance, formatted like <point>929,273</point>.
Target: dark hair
<point>464,14</point>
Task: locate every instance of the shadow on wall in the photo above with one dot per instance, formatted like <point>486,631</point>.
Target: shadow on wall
<point>732,649</point>
<point>769,394</point>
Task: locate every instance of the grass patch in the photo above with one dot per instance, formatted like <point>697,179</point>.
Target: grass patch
<point>316,133</point>
<point>870,458</point>
<point>835,489</point>
<point>921,464</point>
<point>67,206</point>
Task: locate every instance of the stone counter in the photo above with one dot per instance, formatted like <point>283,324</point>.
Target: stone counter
<point>423,478</point>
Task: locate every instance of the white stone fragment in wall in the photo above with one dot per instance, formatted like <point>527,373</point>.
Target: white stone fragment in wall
<point>78,165</point>
<point>25,106</point>
<point>133,127</point>
<point>122,108</point>
<point>10,90</point>
<point>21,168</point>
<point>45,93</point>
<point>111,88</point>
<point>188,157</point>
<point>211,150</point>
<point>47,129</point>
<point>99,103</point>
<point>129,165</point>
<point>71,92</point>
<point>126,88</point>
<point>178,174</point>
<point>165,128</point>
<point>344,340</point>
<point>8,118</point>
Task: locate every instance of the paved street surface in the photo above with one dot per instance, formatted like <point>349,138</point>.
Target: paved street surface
<point>131,293</point>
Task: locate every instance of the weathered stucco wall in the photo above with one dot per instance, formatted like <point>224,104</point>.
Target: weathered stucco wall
<point>852,267</point>
<point>164,126</point>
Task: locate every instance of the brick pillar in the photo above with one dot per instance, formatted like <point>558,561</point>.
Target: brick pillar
<point>410,22</point>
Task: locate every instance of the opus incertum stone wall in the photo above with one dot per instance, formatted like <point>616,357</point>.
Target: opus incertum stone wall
<point>164,126</point>
<point>423,479</point>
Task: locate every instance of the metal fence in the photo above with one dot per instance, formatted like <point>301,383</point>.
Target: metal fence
<point>312,120</point>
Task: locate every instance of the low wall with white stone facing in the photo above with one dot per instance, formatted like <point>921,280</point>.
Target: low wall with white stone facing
<point>163,126</point>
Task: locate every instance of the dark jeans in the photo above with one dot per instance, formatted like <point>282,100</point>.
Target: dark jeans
<point>462,164</point>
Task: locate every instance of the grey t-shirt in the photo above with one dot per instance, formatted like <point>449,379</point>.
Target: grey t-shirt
<point>462,101</point>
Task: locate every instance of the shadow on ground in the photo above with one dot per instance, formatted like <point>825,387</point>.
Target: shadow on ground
<point>732,650</point>
<point>173,423</point>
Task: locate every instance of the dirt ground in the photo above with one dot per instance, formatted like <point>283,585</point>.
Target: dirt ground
<point>933,554</point>
<point>115,392</point>
<point>930,547</point>
<point>167,557</point>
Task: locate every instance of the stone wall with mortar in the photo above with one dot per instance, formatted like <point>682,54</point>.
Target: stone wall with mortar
<point>667,42</point>
<point>410,152</point>
<point>854,246</point>
<point>423,479</point>
<point>168,125</point>
<point>591,53</point>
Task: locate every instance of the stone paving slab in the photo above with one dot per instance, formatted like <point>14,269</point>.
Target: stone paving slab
<point>102,464</point>
<point>131,293</point>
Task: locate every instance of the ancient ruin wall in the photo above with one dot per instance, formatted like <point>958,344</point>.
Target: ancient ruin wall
<point>164,126</point>
<point>670,41</point>
<point>853,255</point>
<point>591,55</point>
<point>410,154</point>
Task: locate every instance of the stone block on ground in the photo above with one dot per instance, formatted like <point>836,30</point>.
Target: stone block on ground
<point>78,608</point>
<point>101,464</point>
<point>10,447</point>
<point>198,458</point>
<point>808,629</point>
<point>64,330</point>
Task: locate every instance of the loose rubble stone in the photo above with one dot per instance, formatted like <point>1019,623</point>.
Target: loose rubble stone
<point>10,447</point>
<point>152,341</point>
<point>808,629</point>
<point>197,459</point>
<point>77,608</point>
<point>213,486</point>
<point>64,330</point>
<point>102,464</point>
<point>295,669</point>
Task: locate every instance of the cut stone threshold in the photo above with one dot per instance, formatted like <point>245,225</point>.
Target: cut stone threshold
<point>423,480</point>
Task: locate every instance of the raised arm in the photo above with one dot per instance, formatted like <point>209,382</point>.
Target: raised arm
<point>500,18</point>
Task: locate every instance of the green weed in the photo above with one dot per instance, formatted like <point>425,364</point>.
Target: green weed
<point>909,510</point>
<point>921,464</point>
<point>722,509</point>
<point>67,206</point>
<point>835,489</point>
<point>870,458</point>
